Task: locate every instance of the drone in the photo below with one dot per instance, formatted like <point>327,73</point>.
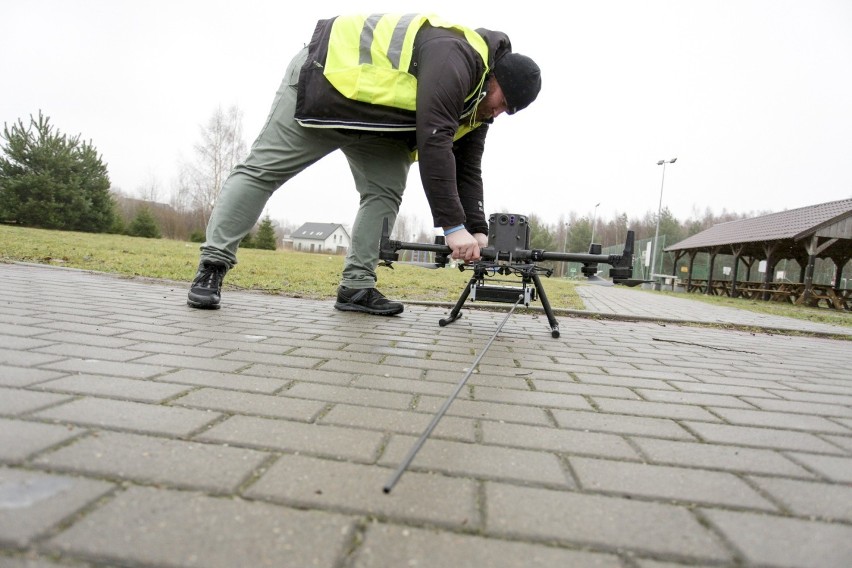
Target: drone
<point>508,254</point>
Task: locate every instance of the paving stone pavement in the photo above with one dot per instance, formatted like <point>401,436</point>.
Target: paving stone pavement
<point>135,431</point>
<point>634,303</point>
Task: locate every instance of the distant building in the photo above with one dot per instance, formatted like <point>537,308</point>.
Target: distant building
<point>321,237</point>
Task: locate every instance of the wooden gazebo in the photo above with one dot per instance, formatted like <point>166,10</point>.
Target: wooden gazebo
<point>804,235</point>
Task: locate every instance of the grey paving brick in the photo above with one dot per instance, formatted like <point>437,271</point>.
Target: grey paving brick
<point>314,439</point>
<point>31,502</point>
<point>598,522</point>
<point>712,456</point>
<point>399,421</point>
<point>146,459</point>
<point>361,356</point>
<point>308,375</point>
<point>812,500</point>
<point>20,439</point>
<point>351,395</point>
<point>113,368</point>
<point>414,372</point>
<point>159,341</point>
<point>779,541</point>
<point>151,326</point>
<point>801,407</point>
<point>701,399</point>
<point>531,398</point>
<point>841,441</point>
<point>835,468</point>
<point>308,482</point>
<point>390,545</point>
<point>760,437</point>
<point>19,330</point>
<point>404,385</point>
<point>233,381</point>
<point>175,349</point>
<point>24,376</point>
<point>621,381</point>
<point>585,389</point>
<point>159,527</point>
<point>236,402</point>
<point>689,486</point>
<point>488,462</point>
<point>84,328</point>
<point>87,339</point>
<point>15,402</point>
<point>486,410</point>
<point>114,387</point>
<point>516,381</point>
<point>557,440</point>
<point>133,416</point>
<point>781,420</point>
<point>88,352</point>
<point>722,389</point>
<point>657,409</point>
<point>619,424</point>
<point>816,397</point>
<point>655,376</point>
<point>183,361</point>
<point>14,358</point>
<point>244,357</point>
<point>17,342</point>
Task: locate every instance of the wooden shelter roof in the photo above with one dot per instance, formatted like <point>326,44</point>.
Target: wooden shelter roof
<point>786,233</point>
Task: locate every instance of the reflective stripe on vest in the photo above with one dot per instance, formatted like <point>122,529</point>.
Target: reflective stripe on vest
<point>369,57</point>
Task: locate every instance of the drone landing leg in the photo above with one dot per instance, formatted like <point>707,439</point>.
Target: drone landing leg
<point>454,313</point>
<point>554,325</point>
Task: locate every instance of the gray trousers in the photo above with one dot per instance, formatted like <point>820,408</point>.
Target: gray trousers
<point>283,149</point>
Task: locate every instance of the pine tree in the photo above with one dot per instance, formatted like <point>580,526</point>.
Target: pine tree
<point>265,238</point>
<point>53,181</point>
<point>144,225</point>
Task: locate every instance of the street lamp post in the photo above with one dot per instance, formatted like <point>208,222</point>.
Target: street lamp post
<point>594,222</point>
<point>565,249</point>
<point>659,212</point>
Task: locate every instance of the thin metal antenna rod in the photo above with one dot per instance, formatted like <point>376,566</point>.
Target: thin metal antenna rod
<point>437,418</point>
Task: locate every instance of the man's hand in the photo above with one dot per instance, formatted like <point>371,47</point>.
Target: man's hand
<point>465,246</point>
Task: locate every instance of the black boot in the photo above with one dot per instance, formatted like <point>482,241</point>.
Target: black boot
<point>206,289</point>
<point>367,300</point>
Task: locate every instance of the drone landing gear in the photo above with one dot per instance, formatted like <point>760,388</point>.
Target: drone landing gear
<point>476,289</point>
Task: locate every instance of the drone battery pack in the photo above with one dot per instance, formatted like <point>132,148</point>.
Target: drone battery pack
<point>505,294</point>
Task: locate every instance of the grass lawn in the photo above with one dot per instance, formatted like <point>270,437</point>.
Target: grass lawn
<point>295,274</point>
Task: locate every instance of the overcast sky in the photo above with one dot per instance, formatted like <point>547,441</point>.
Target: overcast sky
<point>754,97</point>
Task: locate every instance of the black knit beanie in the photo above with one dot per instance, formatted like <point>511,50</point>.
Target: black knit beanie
<point>520,79</point>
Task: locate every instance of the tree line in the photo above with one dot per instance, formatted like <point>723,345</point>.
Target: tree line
<point>55,181</point>
<point>51,180</point>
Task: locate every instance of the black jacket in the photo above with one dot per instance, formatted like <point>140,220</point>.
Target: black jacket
<point>448,70</point>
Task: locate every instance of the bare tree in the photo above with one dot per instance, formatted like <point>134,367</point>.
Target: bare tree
<point>220,149</point>
<point>150,191</point>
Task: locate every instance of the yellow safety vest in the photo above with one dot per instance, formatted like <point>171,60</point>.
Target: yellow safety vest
<point>369,57</point>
